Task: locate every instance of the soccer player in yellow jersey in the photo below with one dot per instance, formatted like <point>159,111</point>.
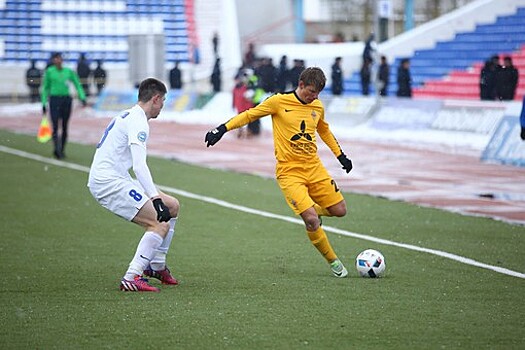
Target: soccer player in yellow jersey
<point>308,188</point>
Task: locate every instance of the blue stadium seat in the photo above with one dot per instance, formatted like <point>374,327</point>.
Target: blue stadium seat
<point>505,35</point>
<point>29,23</point>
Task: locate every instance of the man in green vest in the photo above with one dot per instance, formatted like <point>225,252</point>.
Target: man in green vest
<point>56,90</point>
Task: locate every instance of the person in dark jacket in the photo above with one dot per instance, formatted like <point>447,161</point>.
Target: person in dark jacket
<point>404,81</point>
<point>487,81</point>
<point>337,77</point>
<point>84,72</point>
<point>100,77</point>
<point>295,72</point>
<point>175,77</point>
<point>216,76</point>
<point>283,75</point>
<point>267,74</point>
<point>383,76</point>
<point>33,81</point>
<point>506,80</point>
<point>366,75</point>
<point>368,51</point>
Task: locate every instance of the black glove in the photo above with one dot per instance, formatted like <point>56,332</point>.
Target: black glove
<point>213,136</point>
<point>44,110</point>
<point>84,103</point>
<point>345,162</point>
<point>163,213</point>
<point>522,133</point>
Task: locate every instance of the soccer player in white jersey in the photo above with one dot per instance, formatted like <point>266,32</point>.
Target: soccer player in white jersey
<point>122,147</point>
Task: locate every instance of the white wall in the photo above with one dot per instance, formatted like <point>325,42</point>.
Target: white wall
<point>320,55</point>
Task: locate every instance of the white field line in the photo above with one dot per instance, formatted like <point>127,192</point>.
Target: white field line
<point>266,214</point>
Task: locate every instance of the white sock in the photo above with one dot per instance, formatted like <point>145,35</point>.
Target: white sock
<point>158,263</point>
<point>146,250</point>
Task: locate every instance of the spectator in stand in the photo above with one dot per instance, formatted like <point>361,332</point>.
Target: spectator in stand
<point>487,81</point>
<point>175,77</point>
<point>100,76</point>
<point>337,77</point>
<point>216,76</point>
<point>267,75</point>
<point>249,56</point>
<point>257,95</point>
<point>383,76</point>
<point>55,87</point>
<point>33,81</point>
<point>283,74</point>
<point>368,51</point>
<point>215,44</point>
<point>84,73</point>
<point>242,96</point>
<point>506,80</point>
<point>295,72</point>
<point>404,81</point>
<point>366,76</point>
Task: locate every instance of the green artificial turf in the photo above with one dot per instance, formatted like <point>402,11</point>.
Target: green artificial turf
<point>247,281</point>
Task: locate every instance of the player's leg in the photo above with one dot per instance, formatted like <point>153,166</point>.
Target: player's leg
<point>157,267</point>
<point>147,247</point>
<point>296,193</point>
<point>338,209</point>
<point>127,199</point>
<point>330,202</point>
<point>66,114</point>
<point>130,201</point>
<point>54,113</point>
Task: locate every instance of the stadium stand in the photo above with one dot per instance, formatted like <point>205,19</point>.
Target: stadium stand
<point>33,29</point>
<point>451,69</point>
<point>464,84</point>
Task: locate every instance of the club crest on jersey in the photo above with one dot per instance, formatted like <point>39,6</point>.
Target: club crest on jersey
<point>142,136</point>
<point>313,115</point>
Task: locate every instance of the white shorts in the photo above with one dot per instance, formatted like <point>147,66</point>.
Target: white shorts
<point>123,197</point>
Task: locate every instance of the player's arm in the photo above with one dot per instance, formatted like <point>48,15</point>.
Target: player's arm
<point>241,119</point>
<point>141,170</point>
<point>45,91</point>
<point>329,139</point>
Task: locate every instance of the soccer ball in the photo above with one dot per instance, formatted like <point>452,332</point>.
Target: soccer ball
<point>370,263</point>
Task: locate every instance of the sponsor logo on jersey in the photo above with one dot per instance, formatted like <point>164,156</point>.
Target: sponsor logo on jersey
<point>302,133</point>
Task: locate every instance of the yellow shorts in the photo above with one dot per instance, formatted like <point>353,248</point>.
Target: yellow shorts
<point>305,184</point>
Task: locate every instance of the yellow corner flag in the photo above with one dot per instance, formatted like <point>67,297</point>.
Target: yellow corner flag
<point>44,131</point>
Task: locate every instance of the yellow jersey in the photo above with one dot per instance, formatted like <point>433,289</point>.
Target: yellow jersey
<point>294,126</point>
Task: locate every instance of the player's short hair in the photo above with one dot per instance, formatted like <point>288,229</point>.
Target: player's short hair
<point>150,87</point>
<point>313,76</point>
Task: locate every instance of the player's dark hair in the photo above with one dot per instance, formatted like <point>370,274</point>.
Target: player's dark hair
<point>313,76</point>
<point>150,87</point>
